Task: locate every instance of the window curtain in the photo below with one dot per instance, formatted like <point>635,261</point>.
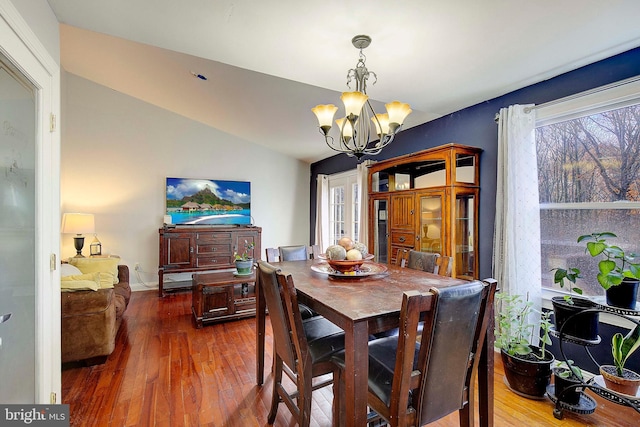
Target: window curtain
<point>516,246</point>
<point>363,201</point>
<point>322,211</point>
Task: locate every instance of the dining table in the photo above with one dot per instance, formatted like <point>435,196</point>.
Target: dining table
<point>363,305</point>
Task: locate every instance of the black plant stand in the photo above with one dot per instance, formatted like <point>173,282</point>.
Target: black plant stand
<point>586,404</point>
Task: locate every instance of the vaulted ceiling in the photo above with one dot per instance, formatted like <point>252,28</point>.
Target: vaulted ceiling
<point>267,62</point>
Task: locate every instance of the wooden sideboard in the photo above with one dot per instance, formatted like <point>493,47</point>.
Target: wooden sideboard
<point>186,249</point>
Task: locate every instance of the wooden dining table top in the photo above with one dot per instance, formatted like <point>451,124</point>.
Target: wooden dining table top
<point>362,298</point>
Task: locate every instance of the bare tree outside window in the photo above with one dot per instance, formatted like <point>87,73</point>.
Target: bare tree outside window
<point>589,181</point>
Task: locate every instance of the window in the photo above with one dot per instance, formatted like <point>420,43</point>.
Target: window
<point>343,206</point>
<point>589,178</point>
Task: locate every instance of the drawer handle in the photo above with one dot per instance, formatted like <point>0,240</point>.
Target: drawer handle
<point>401,239</point>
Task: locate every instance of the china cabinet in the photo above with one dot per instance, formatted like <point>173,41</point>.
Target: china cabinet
<point>427,201</point>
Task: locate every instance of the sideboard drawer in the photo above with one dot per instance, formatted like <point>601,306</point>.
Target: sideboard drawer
<point>403,239</point>
<point>214,249</point>
<point>213,261</point>
<point>213,237</point>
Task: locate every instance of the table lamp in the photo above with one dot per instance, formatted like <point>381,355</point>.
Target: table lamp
<point>78,224</point>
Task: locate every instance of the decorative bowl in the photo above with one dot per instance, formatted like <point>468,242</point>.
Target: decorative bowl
<point>345,265</point>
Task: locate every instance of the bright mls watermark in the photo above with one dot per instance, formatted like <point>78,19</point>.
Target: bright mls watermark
<point>34,415</point>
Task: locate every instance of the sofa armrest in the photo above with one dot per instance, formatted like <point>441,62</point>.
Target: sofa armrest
<point>123,273</point>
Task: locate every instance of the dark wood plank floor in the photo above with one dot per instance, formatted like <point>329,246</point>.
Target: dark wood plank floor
<point>164,372</point>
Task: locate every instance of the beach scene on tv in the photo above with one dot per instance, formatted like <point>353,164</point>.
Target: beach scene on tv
<point>208,202</point>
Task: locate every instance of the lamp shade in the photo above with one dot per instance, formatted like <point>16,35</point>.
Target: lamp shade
<point>324,113</point>
<point>77,223</point>
<point>353,102</point>
<point>398,111</point>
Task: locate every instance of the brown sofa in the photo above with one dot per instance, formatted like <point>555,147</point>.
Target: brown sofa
<point>91,319</point>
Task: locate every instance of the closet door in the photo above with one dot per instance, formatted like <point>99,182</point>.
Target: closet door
<point>17,235</point>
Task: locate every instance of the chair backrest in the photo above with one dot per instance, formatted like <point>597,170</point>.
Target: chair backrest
<point>293,253</point>
<point>402,257</point>
<point>286,322</point>
<point>444,266</point>
<point>425,261</point>
<point>436,380</point>
<point>273,254</point>
<point>451,351</point>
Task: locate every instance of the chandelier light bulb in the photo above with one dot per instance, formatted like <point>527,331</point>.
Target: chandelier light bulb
<point>398,111</point>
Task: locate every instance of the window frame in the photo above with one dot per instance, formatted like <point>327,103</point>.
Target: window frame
<point>616,95</point>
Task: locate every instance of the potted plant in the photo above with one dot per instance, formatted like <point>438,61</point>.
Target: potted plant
<point>527,367</point>
<point>567,379</point>
<point>618,273</point>
<point>583,326</point>
<point>244,261</point>
<point>617,377</point>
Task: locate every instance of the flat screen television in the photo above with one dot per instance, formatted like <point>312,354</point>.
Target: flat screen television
<point>208,201</point>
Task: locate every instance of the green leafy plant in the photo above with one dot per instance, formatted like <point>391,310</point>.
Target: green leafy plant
<point>515,331</point>
<point>568,369</point>
<point>571,275</point>
<point>245,254</point>
<point>617,264</point>
<point>623,347</point>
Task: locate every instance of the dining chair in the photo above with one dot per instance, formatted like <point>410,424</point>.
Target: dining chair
<point>290,253</point>
<point>416,380</point>
<point>402,257</point>
<point>302,348</point>
<point>293,253</point>
<point>425,261</point>
<point>444,266</point>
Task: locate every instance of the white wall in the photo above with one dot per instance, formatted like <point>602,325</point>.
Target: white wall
<point>118,150</point>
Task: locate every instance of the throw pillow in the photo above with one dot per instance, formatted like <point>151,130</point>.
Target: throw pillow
<point>80,282</point>
<point>102,265</point>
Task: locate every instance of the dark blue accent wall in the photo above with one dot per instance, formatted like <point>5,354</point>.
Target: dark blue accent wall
<point>476,126</point>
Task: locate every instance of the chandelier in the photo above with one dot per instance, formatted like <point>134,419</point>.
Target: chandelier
<point>360,119</point>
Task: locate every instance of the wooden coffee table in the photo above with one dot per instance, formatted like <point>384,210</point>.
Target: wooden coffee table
<point>222,296</point>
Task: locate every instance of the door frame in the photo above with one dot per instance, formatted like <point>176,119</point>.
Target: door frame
<point>21,46</point>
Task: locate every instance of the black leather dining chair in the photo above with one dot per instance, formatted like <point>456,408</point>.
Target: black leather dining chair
<point>302,348</point>
<point>415,379</point>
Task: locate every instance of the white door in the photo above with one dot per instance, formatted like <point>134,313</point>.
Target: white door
<point>17,235</point>
<point>29,215</point>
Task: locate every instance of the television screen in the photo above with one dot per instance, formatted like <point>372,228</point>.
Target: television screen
<point>208,201</point>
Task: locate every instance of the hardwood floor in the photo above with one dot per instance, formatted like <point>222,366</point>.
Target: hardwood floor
<point>164,372</point>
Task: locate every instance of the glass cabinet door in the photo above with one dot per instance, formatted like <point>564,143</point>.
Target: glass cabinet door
<point>380,249</point>
<point>464,235</point>
<point>431,222</point>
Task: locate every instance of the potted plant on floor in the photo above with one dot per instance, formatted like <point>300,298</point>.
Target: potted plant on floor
<point>567,378</point>
<point>582,326</point>
<point>527,367</point>
<point>617,377</point>
<point>618,272</point>
<point>244,261</point>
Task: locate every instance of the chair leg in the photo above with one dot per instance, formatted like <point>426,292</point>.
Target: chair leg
<point>466,415</point>
<point>275,397</point>
<point>304,400</point>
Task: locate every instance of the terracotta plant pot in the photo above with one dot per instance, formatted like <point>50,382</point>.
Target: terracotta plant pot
<point>528,378</point>
<point>582,326</point>
<point>624,295</point>
<point>627,385</point>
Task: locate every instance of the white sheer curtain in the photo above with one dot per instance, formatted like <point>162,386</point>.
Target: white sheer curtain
<point>363,201</point>
<point>322,211</point>
<point>516,248</point>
